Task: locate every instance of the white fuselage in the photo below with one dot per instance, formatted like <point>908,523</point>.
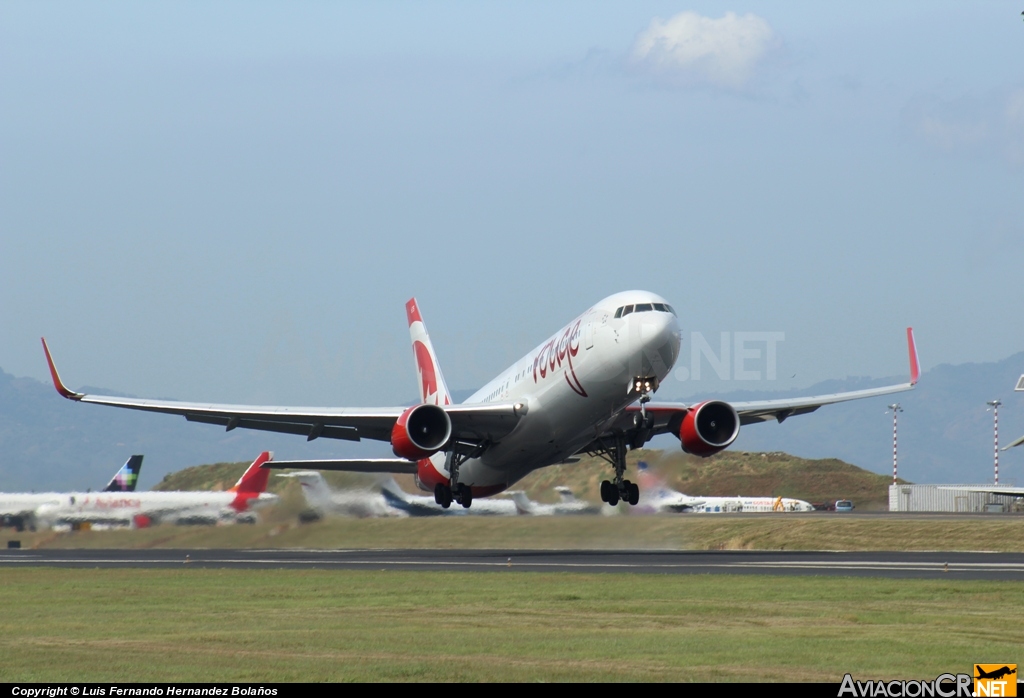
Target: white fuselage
<point>573,384</point>
<point>725,505</point>
<point>124,507</point>
<point>664,500</point>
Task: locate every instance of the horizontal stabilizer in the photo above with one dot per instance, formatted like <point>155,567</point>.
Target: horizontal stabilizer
<point>364,465</point>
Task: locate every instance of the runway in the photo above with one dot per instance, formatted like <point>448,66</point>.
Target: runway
<point>992,566</point>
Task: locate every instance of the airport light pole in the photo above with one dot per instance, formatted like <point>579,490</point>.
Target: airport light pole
<point>895,409</point>
<point>994,404</point>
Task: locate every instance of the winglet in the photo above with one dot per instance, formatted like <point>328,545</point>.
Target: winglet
<point>915,364</point>
<point>57,383</point>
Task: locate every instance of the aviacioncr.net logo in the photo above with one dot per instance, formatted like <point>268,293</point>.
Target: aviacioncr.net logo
<point>943,686</point>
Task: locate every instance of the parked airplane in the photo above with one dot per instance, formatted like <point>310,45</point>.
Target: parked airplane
<point>19,510</point>
<point>414,505</point>
<point>361,502</point>
<point>143,508</point>
<point>587,389</point>
<point>662,499</point>
<point>751,504</point>
<point>568,505</point>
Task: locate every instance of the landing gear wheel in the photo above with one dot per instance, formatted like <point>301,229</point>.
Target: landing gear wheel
<point>634,493</point>
<point>465,496</point>
<point>613,497</point>
<point>606,489</point>
<point>443,495</point>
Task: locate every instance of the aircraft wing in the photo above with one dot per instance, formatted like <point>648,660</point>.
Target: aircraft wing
<point>370,465</point>
<point>470,423</point>
<point>666,417</point>
<point>988,489</point>
<point>1018,442</point>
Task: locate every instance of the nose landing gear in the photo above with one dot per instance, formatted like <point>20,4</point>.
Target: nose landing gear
<point>614,451</point>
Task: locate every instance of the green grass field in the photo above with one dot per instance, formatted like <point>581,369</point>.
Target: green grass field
<point>280,625</point>
<point>820,531</point>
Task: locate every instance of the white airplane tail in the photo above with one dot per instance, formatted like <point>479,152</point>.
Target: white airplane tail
<point>522,502</point>
<point>314,488</point>
<point>433,390</point>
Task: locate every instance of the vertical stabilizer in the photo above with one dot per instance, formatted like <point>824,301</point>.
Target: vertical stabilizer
<point>254,479</point>
<point>523,503</point>
<point>314,488</point>
<point>127,477</point>
<point>433,390</point>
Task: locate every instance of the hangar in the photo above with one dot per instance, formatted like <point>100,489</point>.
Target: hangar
<point>951,499</point>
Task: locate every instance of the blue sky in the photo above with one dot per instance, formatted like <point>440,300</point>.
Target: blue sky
<point>232,202</point>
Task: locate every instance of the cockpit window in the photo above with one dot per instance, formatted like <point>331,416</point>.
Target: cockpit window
<point>643,307</point>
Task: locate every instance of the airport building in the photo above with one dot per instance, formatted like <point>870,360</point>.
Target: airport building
<point>950,499</point>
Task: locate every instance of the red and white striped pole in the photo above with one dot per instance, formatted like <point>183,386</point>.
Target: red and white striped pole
<point>995,432</point>
<point>895,409</point>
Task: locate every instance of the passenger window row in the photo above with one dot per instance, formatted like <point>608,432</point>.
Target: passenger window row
<point>644,307</point>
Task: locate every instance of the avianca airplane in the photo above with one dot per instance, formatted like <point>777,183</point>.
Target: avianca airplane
<point>19,510</point>
<point>142,508</point>
<point>586,389</point>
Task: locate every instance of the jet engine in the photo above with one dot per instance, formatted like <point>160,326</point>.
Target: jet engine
<point>709,428</point>
<point>420,432</point>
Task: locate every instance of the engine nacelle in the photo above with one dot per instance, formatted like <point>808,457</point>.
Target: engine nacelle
<point>709,428</point>
<point>420,432</point>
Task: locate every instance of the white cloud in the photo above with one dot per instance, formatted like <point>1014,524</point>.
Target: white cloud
<point>695,49</point>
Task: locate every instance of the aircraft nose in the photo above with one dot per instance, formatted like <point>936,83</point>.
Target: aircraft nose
<point>659,341</point>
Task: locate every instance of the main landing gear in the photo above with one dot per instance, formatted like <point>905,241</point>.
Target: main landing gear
<point>444,495</point>
<point>455,491</point>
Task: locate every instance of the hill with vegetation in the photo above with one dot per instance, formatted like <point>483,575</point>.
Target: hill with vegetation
<point>729,473</point>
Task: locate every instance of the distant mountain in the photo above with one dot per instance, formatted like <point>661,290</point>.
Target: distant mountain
<point>945,432</point>
<point>47,442</point>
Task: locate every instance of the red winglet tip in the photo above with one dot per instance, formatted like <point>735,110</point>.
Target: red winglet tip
<point>412,311</point>
<point>57,383</point>
<point>915,364</point>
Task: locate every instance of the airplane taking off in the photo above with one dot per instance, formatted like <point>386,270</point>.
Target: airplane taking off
<point>19,510</point>
<point>143,508</point>
<point>587,389</point>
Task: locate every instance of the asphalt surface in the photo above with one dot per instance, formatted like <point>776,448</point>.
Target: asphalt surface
<point>994,566</point>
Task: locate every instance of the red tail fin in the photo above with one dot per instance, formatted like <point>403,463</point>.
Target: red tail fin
<point>254,479</point>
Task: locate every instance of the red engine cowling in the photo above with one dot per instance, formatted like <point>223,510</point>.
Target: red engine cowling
<point>420,432</point>
<point>709,428</point>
